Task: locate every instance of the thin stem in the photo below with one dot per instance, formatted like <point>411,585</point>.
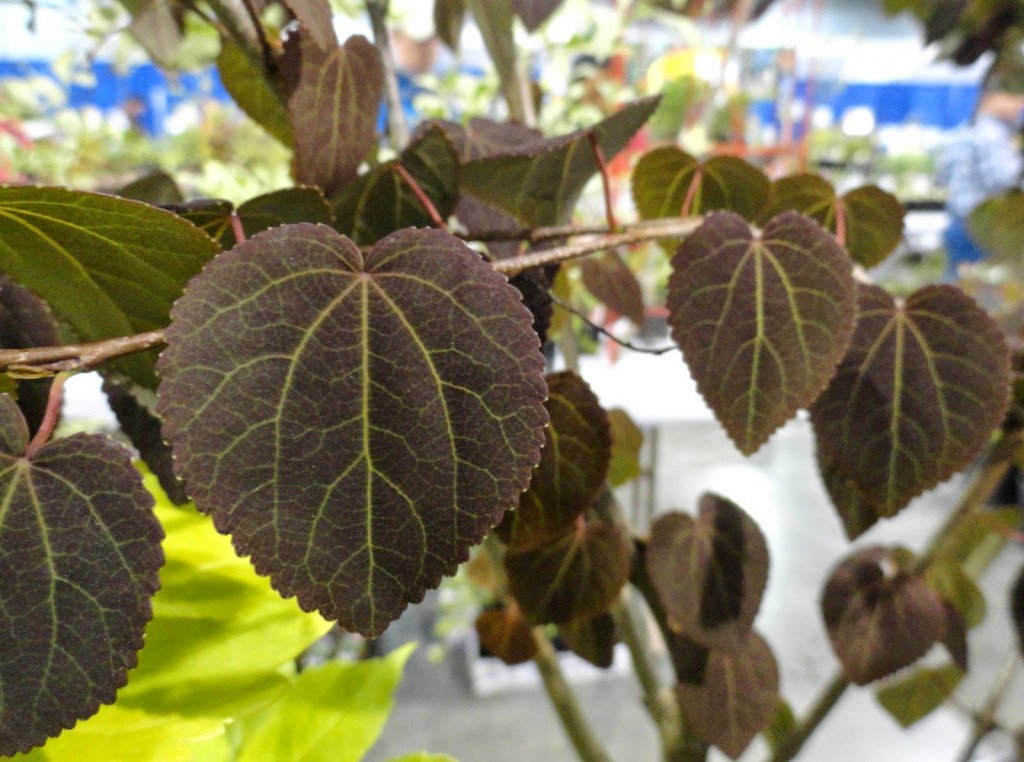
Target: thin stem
<point>606,181</point>
<point>269,60</point>
<point>985,722</point>
<point>237,228</point>
<point>398,130</point>
<point>795,741</point>
<point>424,199</point>
<point>46,361</point>
<point>605,332</point>
<point>50,417</point>
<point>587,746</point>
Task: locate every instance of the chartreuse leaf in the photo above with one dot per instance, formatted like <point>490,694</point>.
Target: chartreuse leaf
<point>914,697</point>
<point>572,468</point>
<point>736,699</point>
<point>366,418</point>
<point>868,220</point>
<point>539,183</point>
<point>79,557</point>
<point>762,320</point>
<point>107,266</point>
<point>333,108</point>
<point>576,576</point>
<point>946,576</point>
<point>506,634</point>
<point>922,386</point>
<point>710,573</point>
<point>879,617</point>
<point>423,756</point>
<point>592,639</point>
<point>214,651</point>
<point>668,182</point>
<point>627,441</point>
<point>246,82</point>
<point>534,12</point>
<point>997,224</point>
<point>26,321</point>
<point>613,284</point>
<point>783,723</point>
<point>332,713</point>
<point>380,201</point>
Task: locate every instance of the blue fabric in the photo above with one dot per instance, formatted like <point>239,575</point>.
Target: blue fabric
<point>960,247</point>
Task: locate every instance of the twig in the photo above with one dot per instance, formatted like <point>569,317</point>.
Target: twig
<point>424,199</point>
<point>269,61</point>
<point>605,332</point>
<point>398,130</point>
<point>45,361</point>
<point>606,181</point>
<point>53,403</point>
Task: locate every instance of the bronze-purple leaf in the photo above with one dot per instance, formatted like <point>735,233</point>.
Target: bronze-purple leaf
<point>572,468</point>
<point>762,320</point>
<point>366,417</point>
<point>609,279</point>
<point>576,576</point>
<point>737,698</point>
<point>79,561</point>
<point>333,108</point>
<point>534,12</point>
<point>506,634</point>
<point>316,18</point>
<point>592,639</point>
<point>880,617</point>
<point>924,383</point>
<point>857,514</point>
<point>710,573</point>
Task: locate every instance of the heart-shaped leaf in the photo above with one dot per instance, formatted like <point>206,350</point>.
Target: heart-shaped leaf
<point>627,441</point>
<point>25,321</point>
<point>108,266</point>
<point>333,108</point>
<point>381,202</point>
<point>609,279</point>
<point>366,418</point>
<point>539,183</point>
<point>668,182</point>
<point>572,468</point>
<point>919,694</point>
<point>245,80</point>
<point>535,12</point>
<point>867,220</point>
<point>761,320</point>
<point>79,557</point>
<point>506,634</point>
<point>593,639</point>
<point>737,698</point>
<point>576,576</point>
<point>997,224</point>
<point>922,386</point>
<point>879,617</point>
<point>710,573</point>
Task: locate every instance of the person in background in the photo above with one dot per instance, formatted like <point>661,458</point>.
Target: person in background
<point>982,160</point>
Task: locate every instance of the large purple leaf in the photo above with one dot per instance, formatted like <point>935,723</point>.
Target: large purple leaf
<point>333,108</point>
<point>924,383</point>
<point>880,618</point>
<point>365,418</point>
<point>79,557</point>
<point>710,573</point>
<point>762,320</point>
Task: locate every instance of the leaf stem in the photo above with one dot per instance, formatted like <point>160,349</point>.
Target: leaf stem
<point>269,60</point>
<point>587,746</point>
<point>53,404</point>
<point>398,130</point>
<point>237,228</point>
<point>606,181</point>
<point>424,199</point>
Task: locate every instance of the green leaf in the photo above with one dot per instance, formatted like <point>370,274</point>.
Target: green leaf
<point>380,202</point>
<point>333,108</point>
<point>736,699</point>
<point>535,12</point>
<point>946,577</point>
<point>155,188</point>
<point>449,18</point>
<point>627,441</point>
<point>997,224</point>
<point>25,321</point>
<point>762,320</point>
<point>879,618</point>
<point>496,22</point>
<point>79,557</point>
<point>868,220</point>
<point>108,266</point>
<point>316,18</point>
<point>506,634</point>
<point>539,183</point>
<point>572,468</point>
<point>333,713</point>
<point>422,756</point>
<point>668,182</point>
<point>366,417</point>
<point>592,639</point>
<point>783,723</point>
<point>710,573</point>
<point>916,696</point>
<point>613,284</point>
<point>246,82</point>
<point>576,576</point>
<point>922,386</point>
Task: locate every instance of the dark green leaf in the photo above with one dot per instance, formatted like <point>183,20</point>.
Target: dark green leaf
<point>762,321</point>
<point>79,556</point>
<point>506,634</point>
<point>592,639</point>
<point>667,179</point>
<point>316,18</point>
<point>156,188</point>
<point>879,617</point>
<point>710,573</point>
<point>449,17</point>
<point>783,723</point>
<point>361,426</point>
<point>627,441</point>
<point>609,279</point>
<point>922,386</point>
<point>245,81</point>
<point>737,698</point>
<point>25,321</point>
<point>576,576</point>
<point>107,266</point>
<point>333,109</point>
<point>572,468</point>
<point>914,697</point>
<point>535,12</point>
<point>539,183</point>
<point>380,202</point>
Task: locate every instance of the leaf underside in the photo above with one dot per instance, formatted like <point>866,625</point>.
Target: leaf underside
<point>366,418</point>
<point>592,639</point>
<point>506,634</point>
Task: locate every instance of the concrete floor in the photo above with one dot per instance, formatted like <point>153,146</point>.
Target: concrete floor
<point>436,709</point>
